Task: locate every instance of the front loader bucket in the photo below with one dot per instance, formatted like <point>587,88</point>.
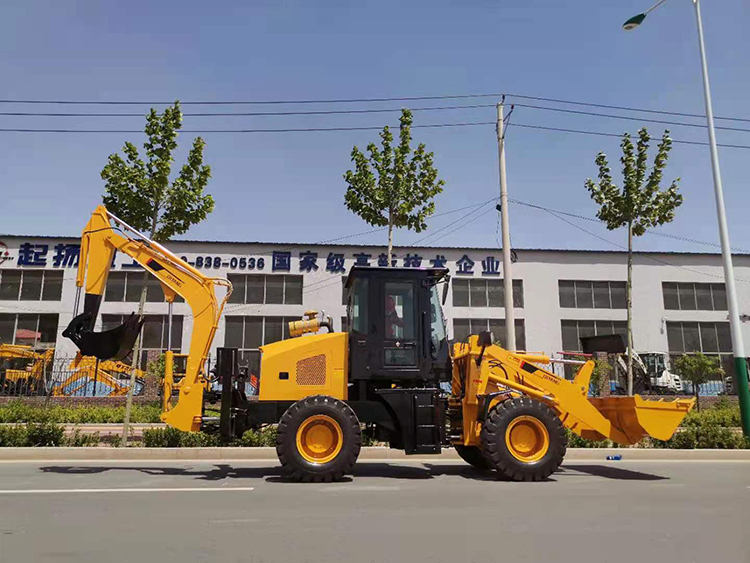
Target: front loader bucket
<point>636,417</point>
<point>113,344</point>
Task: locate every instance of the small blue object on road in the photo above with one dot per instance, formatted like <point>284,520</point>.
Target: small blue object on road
<point>617,457</point>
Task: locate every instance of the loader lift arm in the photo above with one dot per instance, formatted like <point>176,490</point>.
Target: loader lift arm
<point>99,242</point>
<point>624,420</point>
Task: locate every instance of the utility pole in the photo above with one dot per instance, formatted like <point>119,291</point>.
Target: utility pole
<point>510,325</point>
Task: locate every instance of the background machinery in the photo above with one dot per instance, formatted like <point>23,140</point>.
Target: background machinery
<point>394,372</point>
<point>650,373</point>
<point>24,371</point>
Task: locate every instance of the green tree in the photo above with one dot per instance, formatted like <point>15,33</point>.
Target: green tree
<point>698,369</point>
<point>142,193</point>
<point>393,186</point>
<point>639,205</point>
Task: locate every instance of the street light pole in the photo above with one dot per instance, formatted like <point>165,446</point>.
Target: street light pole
<point>738,346</point>
<point>510,322</point>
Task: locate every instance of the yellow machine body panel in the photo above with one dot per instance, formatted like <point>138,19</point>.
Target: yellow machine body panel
<point>299,367</point>
<point>501,374</point>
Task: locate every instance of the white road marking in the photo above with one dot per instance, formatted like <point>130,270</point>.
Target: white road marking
<point>236,521</point>
<point>131,490</point>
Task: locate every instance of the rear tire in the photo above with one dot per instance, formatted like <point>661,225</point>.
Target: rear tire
<point>474,456</point>
<point>318,439</point>
<point>524,439</point>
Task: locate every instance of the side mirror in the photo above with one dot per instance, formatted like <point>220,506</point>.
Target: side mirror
<point>445,291</point>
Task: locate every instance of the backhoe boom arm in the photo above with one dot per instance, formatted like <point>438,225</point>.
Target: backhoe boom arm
<point>99,242</point>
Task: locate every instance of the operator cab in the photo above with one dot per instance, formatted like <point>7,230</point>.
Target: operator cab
<point>397,331</point>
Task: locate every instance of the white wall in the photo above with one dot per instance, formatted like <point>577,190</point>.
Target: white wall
<point>540,271</point>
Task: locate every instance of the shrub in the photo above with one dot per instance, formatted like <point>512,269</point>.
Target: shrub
<point>12,436</point>
<point>162,437</point>
<point>704,437</point>
<point>17,411</point>
<point>263,437</point>
<point>728,417</point>
<point>172,438</point>
<point>44,434</point>
<point>78,439</point>
<point>575,441</point>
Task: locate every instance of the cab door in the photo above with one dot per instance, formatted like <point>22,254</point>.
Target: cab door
<point>397,337</point>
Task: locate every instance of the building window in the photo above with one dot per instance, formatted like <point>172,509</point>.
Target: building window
<point>712,339</point>
<point>37,331</point>
<point>343,290</point>
<point>154,334</point>
<point>30,285</point>
<point>573,331</point>
<point>581,294</point>
<point>462,328</point>
<point>248,334</point>
<point>694,296</point>
<point>266,289</point>
<point>344,324</point>
<point>484,293</point>
<point>127,286</point>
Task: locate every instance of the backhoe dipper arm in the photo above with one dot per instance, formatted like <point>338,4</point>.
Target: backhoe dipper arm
<point>99,243</point>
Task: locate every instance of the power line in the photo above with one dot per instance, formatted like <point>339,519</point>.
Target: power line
<point>619,135</point>
<point>625,108</point>
<point>644,254</point>
<point>631,118</point>
<point>253,113</point>
<point>281,130</point>
<point>362,100</point>
<point>463,225</point>
<point>376,111</point>
<point>460,219</point>
<point>649,231</point>
<point>365,128</point>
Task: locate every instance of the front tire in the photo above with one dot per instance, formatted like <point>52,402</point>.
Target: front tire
<point>474,456</point>
<point>524,439</point>
<point>318,439</point>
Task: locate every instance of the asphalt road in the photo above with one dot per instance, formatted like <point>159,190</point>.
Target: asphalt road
<point>634,512</point>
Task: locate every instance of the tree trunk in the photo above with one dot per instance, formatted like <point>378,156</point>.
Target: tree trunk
<point>137,347</point>
<point>697,397</point>
<point>390,238</point>
<point>629,297</point>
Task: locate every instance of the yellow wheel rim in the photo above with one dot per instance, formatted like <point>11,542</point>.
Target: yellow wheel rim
<point>527,439</point>
<point>319,439</point>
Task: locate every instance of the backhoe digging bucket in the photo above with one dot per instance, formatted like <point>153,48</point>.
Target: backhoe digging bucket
<point>113,344</point>
<point>636,417</point>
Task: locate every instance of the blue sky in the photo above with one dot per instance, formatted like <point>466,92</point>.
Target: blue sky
<point>289,187</point>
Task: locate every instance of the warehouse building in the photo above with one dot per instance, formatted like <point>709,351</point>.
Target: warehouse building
<point>558,295</point>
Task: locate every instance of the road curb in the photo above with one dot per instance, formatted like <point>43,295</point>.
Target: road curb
<point>385,454</point>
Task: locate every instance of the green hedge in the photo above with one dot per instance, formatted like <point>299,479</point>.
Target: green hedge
<point>173,438</point>
<point>711,428</point>
<point>44,434</point>
<point>17,411</point>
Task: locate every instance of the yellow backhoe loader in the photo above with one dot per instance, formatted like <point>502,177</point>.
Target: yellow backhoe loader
<point>23,370</point>
<point>394,372</point>
<point>95,378</point>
